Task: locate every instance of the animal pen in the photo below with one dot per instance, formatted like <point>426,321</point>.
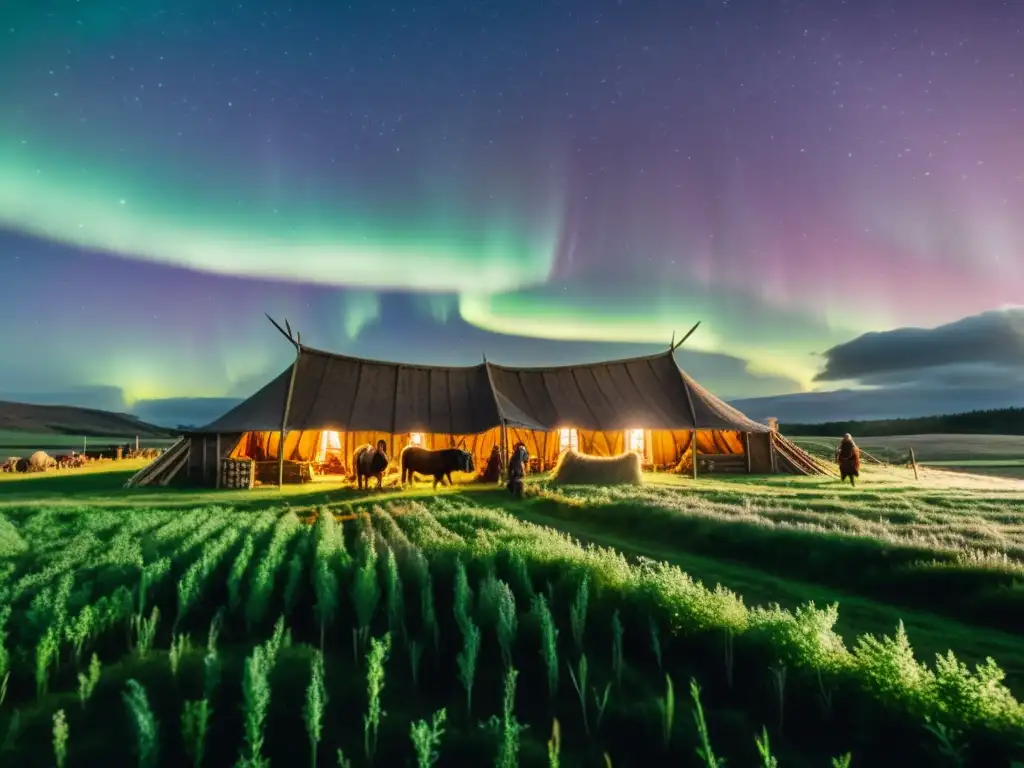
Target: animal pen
<point>307,422</point>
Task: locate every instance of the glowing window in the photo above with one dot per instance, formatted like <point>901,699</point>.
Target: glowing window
<point>568,440</point>
<point>636,440</point>
<point>415,438</point>
<point>329,440</point>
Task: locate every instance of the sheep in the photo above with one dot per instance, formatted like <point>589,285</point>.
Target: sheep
<point>40,461</point>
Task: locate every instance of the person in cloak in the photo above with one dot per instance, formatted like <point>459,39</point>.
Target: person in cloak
<point>517,470</point>
<point>848,459</point>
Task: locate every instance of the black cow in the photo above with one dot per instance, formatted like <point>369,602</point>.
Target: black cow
<point>439,464</point>
<point>370,463</point>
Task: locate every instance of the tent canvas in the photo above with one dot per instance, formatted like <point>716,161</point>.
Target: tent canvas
<point>606,405</point>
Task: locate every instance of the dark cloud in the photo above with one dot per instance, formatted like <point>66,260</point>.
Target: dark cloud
<point>978,376</point>
<point>976,363</point>
<point>990,342</point>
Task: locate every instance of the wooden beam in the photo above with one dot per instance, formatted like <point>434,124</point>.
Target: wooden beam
<point>746,450</point>
<point>284,417</point>
<point>287,334</point>
<point>145,475</point>
<point>503,450</point>
<point>695,433</point>
<point>218,462</point>
<point>177,467</point>
<point>394,415</point>
<point>682,340</point>
<point>913,463</point>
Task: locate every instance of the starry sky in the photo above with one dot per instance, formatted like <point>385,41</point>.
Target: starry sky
<point>832,188</point>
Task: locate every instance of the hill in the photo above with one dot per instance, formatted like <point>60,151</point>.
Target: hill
<point>1002,421</point>
<point>69,420</point>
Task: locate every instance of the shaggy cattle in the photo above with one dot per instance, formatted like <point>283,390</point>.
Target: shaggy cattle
<point>40,461</point>
<point>10,465</point>
<point>21,466</point>
<point>369,462</point>
<point>517,464</point>
<point>848,459</point>
<point>439,464</point>
<point>70,461</point>
<point>578,469</point>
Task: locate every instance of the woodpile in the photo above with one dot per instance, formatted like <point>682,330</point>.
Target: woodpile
<point>165,468</point>
<point>294,472</point>
<point>797,460</point>
<point>717,463</point>
<point>237,473</point>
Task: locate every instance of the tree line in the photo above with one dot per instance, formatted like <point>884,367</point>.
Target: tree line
<point>1002,421</point>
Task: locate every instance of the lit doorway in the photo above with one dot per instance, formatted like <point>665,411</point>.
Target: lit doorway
<point>635,441</point>
<point>329,442</point>
<point>568,440</point>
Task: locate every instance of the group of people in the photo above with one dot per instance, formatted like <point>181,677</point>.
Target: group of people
<point>518,462</point>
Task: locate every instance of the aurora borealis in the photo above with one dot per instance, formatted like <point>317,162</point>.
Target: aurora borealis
<point>538,181</point>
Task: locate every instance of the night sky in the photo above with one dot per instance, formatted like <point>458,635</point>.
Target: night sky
<point>538,181</point>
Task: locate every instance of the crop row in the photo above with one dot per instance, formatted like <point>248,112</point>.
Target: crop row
<point>485,598</point>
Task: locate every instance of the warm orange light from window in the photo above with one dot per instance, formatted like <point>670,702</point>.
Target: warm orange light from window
<point>636,440</point>
<point>415,438</point>
<point>568,440</point>
<point>329,441</point>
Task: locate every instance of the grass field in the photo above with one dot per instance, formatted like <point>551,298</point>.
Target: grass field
<point>999,455</point>
<point>16,443</point>
<point>86,562</point>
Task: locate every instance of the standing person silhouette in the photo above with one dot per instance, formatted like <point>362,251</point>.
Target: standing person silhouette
<point>517,469</point>
<point>848,459</point>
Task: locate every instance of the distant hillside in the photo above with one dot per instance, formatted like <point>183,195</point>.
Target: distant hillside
<point>1003,421</point>
<point>69,420</point>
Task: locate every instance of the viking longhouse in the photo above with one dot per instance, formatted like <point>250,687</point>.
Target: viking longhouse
<point>329,404</point>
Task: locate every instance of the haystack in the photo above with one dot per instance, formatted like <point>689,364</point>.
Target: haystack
<point>579,469</point>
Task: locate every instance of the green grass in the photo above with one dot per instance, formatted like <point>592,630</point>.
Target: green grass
<point>1012,468</point>
<point>996,455</point>
<point>17,443</point>
<point>119,566</point>
<point>884,551</point>
<point>869,605</point>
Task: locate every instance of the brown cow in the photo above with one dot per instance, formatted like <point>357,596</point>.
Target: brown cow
<point>848,459</point>
<point>370,463</point>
